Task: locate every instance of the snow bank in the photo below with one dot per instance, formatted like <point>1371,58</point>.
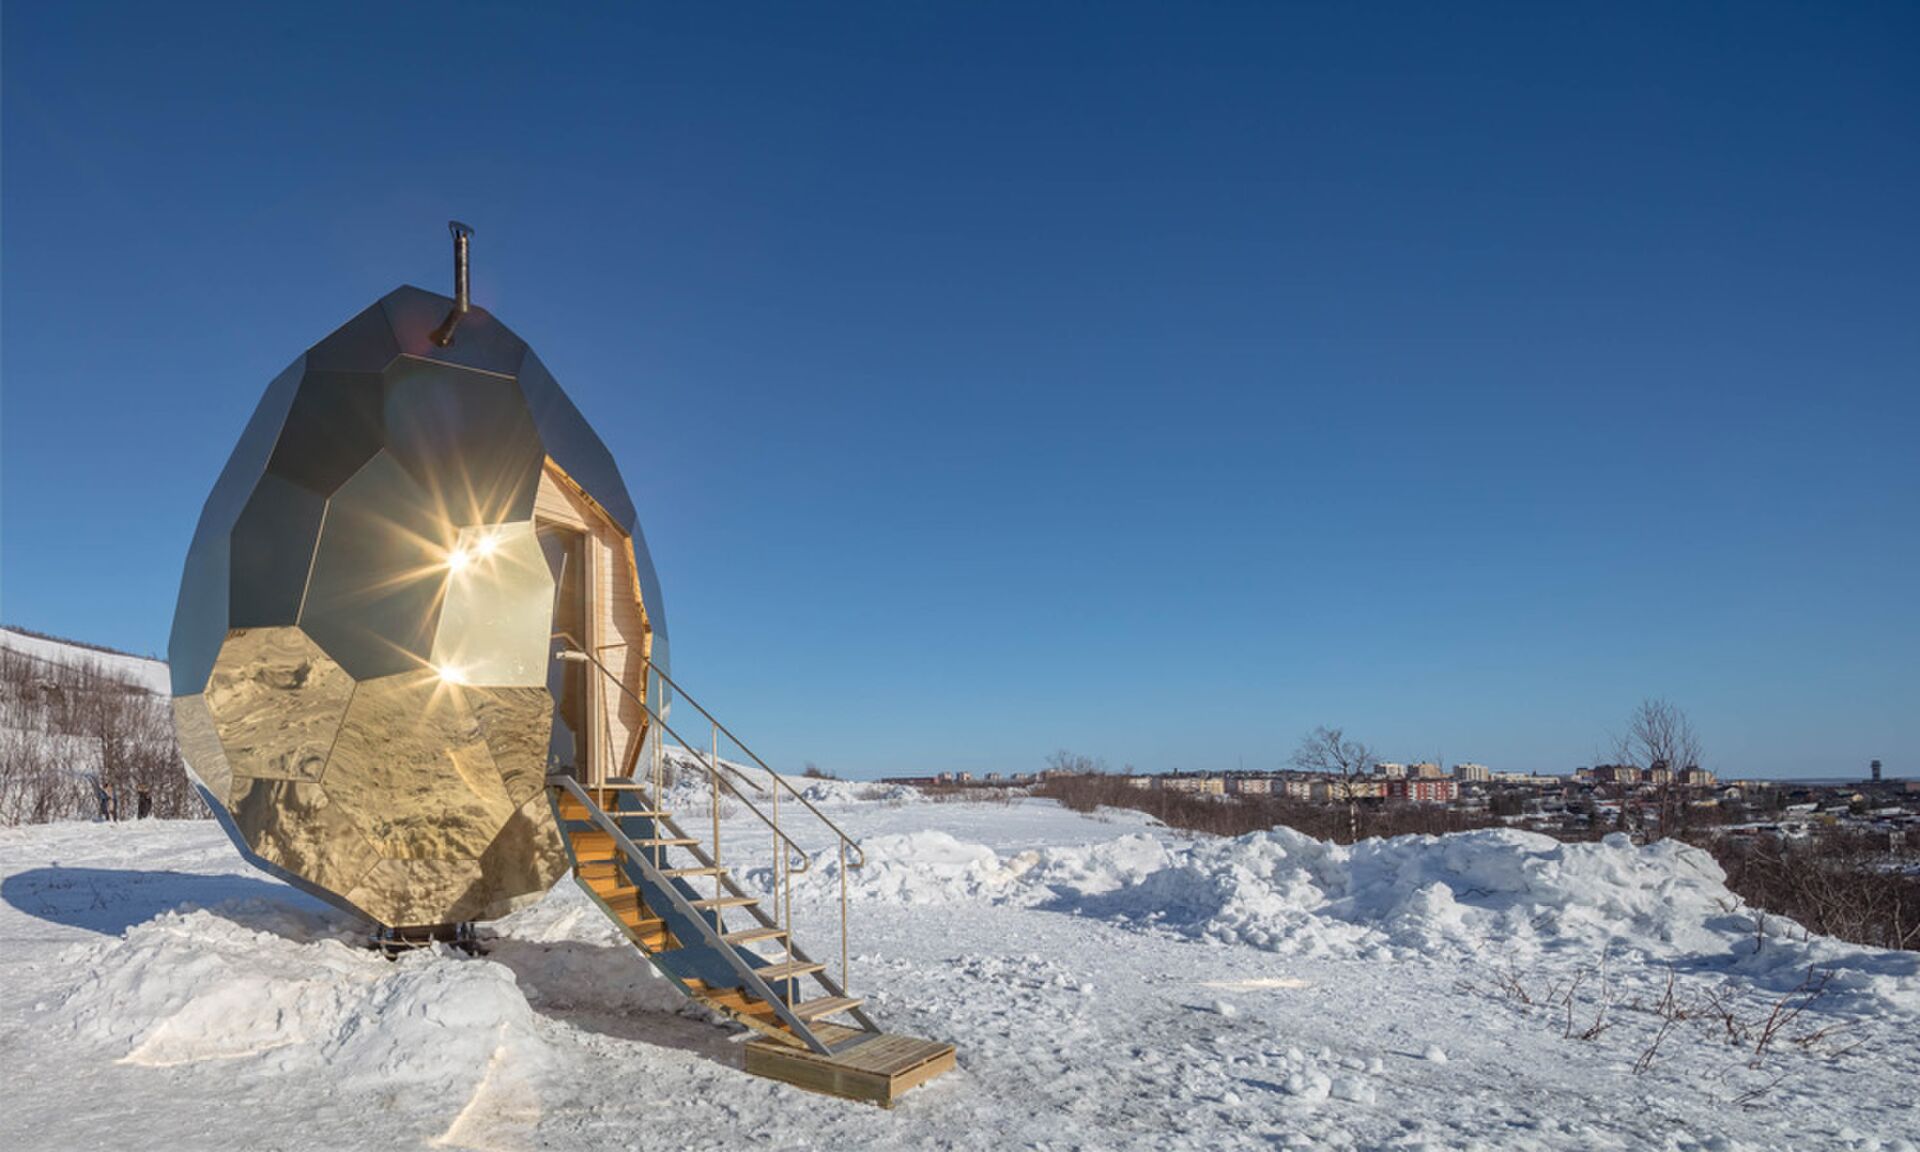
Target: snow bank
<point>192,987</point>
<point>1496,895</point>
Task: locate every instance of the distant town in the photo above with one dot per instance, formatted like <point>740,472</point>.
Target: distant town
<point>1600,797</point>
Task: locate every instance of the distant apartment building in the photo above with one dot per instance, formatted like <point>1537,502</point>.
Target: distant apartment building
<point>1424,790</point>
<point>1616,774</point>
<point>1694,776</point>
<point>1250,785</point>
<point>1659,776</point>
<point>1426,770</point>
<point>1140,782</point>
<point>1203,785</point>
<point>1390,770</point>
<point>1296,789</point>
<point>1533,780</point>
<point>1330,789</point>
<point>1472,773</point>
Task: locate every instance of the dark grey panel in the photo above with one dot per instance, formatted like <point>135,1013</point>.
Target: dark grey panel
<point>199,617</point>
<point>336,424</point>
<point>374,599</point>
<point>365,343</point>
<point>480,342</point>
<point>200,614</point>
<point>466,437</point>
<point>271,552</point>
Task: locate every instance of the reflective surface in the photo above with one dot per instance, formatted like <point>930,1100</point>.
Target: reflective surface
<point>276,702</point>
<point>498,613</point>
<point>361,651</point>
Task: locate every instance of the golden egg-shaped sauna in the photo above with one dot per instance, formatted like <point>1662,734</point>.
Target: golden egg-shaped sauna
<point>415,521</point>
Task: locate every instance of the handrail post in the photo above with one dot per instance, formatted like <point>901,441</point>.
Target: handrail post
<point>713,773</point>
<point>845,973</point>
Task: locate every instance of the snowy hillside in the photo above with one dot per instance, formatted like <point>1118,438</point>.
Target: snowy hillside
<point>1110,985</point>
<point>139,670</point>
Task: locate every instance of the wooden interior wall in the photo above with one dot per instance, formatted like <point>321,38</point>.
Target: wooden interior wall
<point>617,630</point>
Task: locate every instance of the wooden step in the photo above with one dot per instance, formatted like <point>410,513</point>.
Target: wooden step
<point>681,873</point>
<point>621,898</point>
<point>571,809</point>
<point>598,873</point>
<point>751,935</point>
<point>667,842</point>
<point>826,1006</point>
<point>787,969</point>
<point>591,846</point>
<point>878,1069</point>
<point>725,902</point>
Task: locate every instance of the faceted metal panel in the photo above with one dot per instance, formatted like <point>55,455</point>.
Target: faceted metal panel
<point>277,701</point>
<point>413,767</point>
<point>498,613</point>
<point>336,424</point>
<point>365,343</point>
<point>200,615</point>
<point>295,825</point>
<point>361,650</point>
<point>374,598</point>
<point>516,723</point>
<point>482,342</point>
<point>270,553</point>
<point>466,438</point>
<point>421,891</point>
<point>200,746</point>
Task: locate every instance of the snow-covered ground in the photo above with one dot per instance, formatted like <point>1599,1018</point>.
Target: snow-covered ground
<point>1109,984</point>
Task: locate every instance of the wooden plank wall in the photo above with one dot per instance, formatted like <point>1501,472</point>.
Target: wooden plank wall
<point>617,629</point>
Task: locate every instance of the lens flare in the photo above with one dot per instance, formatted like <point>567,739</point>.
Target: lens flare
<point>458,559</point>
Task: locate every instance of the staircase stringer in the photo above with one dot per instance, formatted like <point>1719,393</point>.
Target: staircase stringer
<point>666,820</point>
<point>635,856</point>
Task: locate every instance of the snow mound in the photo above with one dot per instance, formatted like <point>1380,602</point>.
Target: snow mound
<point>1495,895</point>
<point>192,987</point>
<point>913,868</point>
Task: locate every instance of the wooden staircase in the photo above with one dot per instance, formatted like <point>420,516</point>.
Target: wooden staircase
<point>719,945</point>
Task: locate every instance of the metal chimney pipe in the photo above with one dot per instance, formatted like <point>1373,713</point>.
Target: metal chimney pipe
<point>443,335</point>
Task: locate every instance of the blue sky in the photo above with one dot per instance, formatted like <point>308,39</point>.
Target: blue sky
<point>1152,381</point>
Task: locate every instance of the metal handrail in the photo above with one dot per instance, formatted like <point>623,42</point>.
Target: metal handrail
<point>845,840</point>
<point>749,976</point>
<point>720,773</point>
<point>582,656</point>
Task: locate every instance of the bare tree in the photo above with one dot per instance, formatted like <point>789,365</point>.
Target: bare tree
<point>1067,763</point>
<point>1328,752</point>
<point>1659,736</point>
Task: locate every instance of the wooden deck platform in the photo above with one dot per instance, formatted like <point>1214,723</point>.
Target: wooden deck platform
<point>876,1070</point>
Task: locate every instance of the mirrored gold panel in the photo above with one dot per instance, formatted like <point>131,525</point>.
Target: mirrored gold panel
<point>295,825</point>
<point>517,725</point>
<point>276,701</point>
<point>413,770</point>
<point>498,614</point>
<point>200,746</point>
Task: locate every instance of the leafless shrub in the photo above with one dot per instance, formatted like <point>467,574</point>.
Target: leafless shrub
<point>1787,1009</point>
<point>1836,884</point>
<point>78,740</point>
